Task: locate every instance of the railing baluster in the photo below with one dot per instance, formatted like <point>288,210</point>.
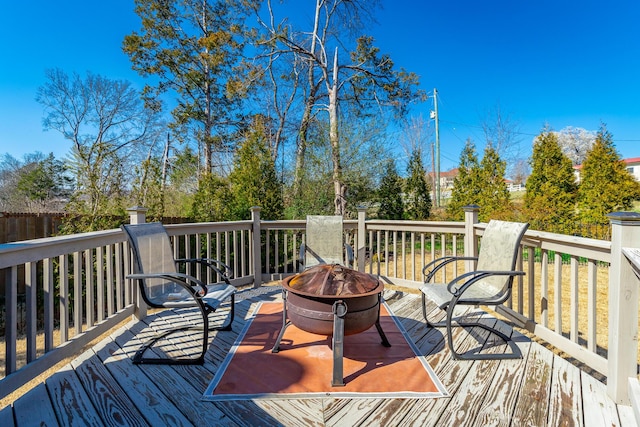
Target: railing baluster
<point>209,255</point>
<point>276,251</point>
<point>404,255</point>
<point>557,304</point>
<point>243,253</point>
<point>267,249</point>
<point>574,304</point>
<point>198,254</point>
<point>88,262</point>
<point>77,292</point>
<point>386,252</point>
<point>519,282</point>
<point>31,289</point>
<point>227,250</point>
<point>11,318</point>
<point>443,252</point>
<point>422,256</point>
<point>110,282</point>
<point>64,298</point>
<point>531,281</point>
<point>544,288</point>
<point>100,289</point>
<point>48,291</point>
<point>592,304</point>
<point>413,256</point>
<point>120,289</point>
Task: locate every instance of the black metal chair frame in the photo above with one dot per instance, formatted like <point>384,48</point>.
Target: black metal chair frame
<point>461,284</point>
<point>197,290</point>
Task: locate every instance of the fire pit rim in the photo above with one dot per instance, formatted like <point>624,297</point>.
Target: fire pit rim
<point>285,285</point>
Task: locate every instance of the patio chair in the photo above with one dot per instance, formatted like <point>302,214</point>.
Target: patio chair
<point>490,284</point>
<point>325,242</point>
<point>163,286</point>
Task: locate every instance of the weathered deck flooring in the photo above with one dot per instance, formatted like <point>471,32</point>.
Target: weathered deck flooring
<point>103,387</point>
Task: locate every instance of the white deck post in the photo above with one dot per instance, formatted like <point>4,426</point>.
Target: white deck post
<point>137,215</point>
<point>623,307</point>
<point>362,237</point>
<point>257,247</point>
<point>470,240</point>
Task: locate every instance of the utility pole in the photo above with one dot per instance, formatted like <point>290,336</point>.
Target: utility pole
<point>437,156</point>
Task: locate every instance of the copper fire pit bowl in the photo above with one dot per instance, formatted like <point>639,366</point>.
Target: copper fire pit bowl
<point>335,301</point>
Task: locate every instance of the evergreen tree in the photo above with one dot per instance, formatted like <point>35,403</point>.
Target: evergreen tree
<point>254,181</point>
<point>551,189</point>
<point>193,48</point>
<point>417,191</point>
<point>493,196</point>
<point>147,188</point>
<point>606,186</point>
<point>182,183</point>
<point>390,193</point>
<point>212,201</point>
<point>466,185</point>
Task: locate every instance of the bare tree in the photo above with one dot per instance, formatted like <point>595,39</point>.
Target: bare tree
<point>107,124</point>
<point>365,80</point>
<point>502,132</point>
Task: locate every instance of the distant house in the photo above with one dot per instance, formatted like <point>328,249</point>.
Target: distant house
<point>447,177</point>
<point>446,181</point>
<point>633,167</point>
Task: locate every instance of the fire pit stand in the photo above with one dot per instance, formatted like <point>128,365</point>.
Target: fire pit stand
<point>335,315</point>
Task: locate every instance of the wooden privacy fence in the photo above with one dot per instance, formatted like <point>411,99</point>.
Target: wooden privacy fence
<point>15,227</point>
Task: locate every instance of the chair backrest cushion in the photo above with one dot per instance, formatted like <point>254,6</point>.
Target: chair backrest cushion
<point>153,253</point>
<point>324,240</point>
<point>499,249</point>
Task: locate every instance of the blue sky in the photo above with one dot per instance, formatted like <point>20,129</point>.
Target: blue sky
<point>556,62</point>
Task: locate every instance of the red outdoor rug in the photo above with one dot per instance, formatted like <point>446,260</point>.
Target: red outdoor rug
<point>303,368</point>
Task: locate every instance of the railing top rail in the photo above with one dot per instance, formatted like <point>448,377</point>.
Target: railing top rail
<point>417,226</point>
<point>574,245</point>
<point>208,227</point>
<point>15,253</point>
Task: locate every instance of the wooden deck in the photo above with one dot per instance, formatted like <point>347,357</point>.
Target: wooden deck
<point>102,387</point>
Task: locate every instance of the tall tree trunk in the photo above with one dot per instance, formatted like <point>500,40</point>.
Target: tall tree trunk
<point>308,107</point>
<point>338,186</point>
<point>163,180</point>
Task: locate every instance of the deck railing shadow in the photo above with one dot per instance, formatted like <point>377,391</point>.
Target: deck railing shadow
<point>76,290</point>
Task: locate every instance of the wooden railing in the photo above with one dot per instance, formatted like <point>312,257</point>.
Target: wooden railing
<point>575,294</point>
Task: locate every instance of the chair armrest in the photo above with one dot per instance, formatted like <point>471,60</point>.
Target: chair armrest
<point>470,278</point>
<point>218,266</point>
<point>431,268</point>
<point>186,281</point>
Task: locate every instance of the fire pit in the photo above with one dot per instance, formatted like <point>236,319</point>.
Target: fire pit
<point>335,301</point>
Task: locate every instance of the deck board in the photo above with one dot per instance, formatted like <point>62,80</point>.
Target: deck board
<point>103,387</point>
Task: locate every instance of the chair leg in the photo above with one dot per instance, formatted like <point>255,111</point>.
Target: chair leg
<point>515,350</point>
<point>227,325</point>
<point>430,323</point>
<point>139,359</point>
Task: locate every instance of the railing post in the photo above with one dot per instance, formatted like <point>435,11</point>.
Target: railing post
<point>138,215</point>
<point>362,237</point>
<point>470,240</point>
<point>257,247</point>
<point>623,307</point>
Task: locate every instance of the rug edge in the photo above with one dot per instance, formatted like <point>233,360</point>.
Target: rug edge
<point>208,395</point>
